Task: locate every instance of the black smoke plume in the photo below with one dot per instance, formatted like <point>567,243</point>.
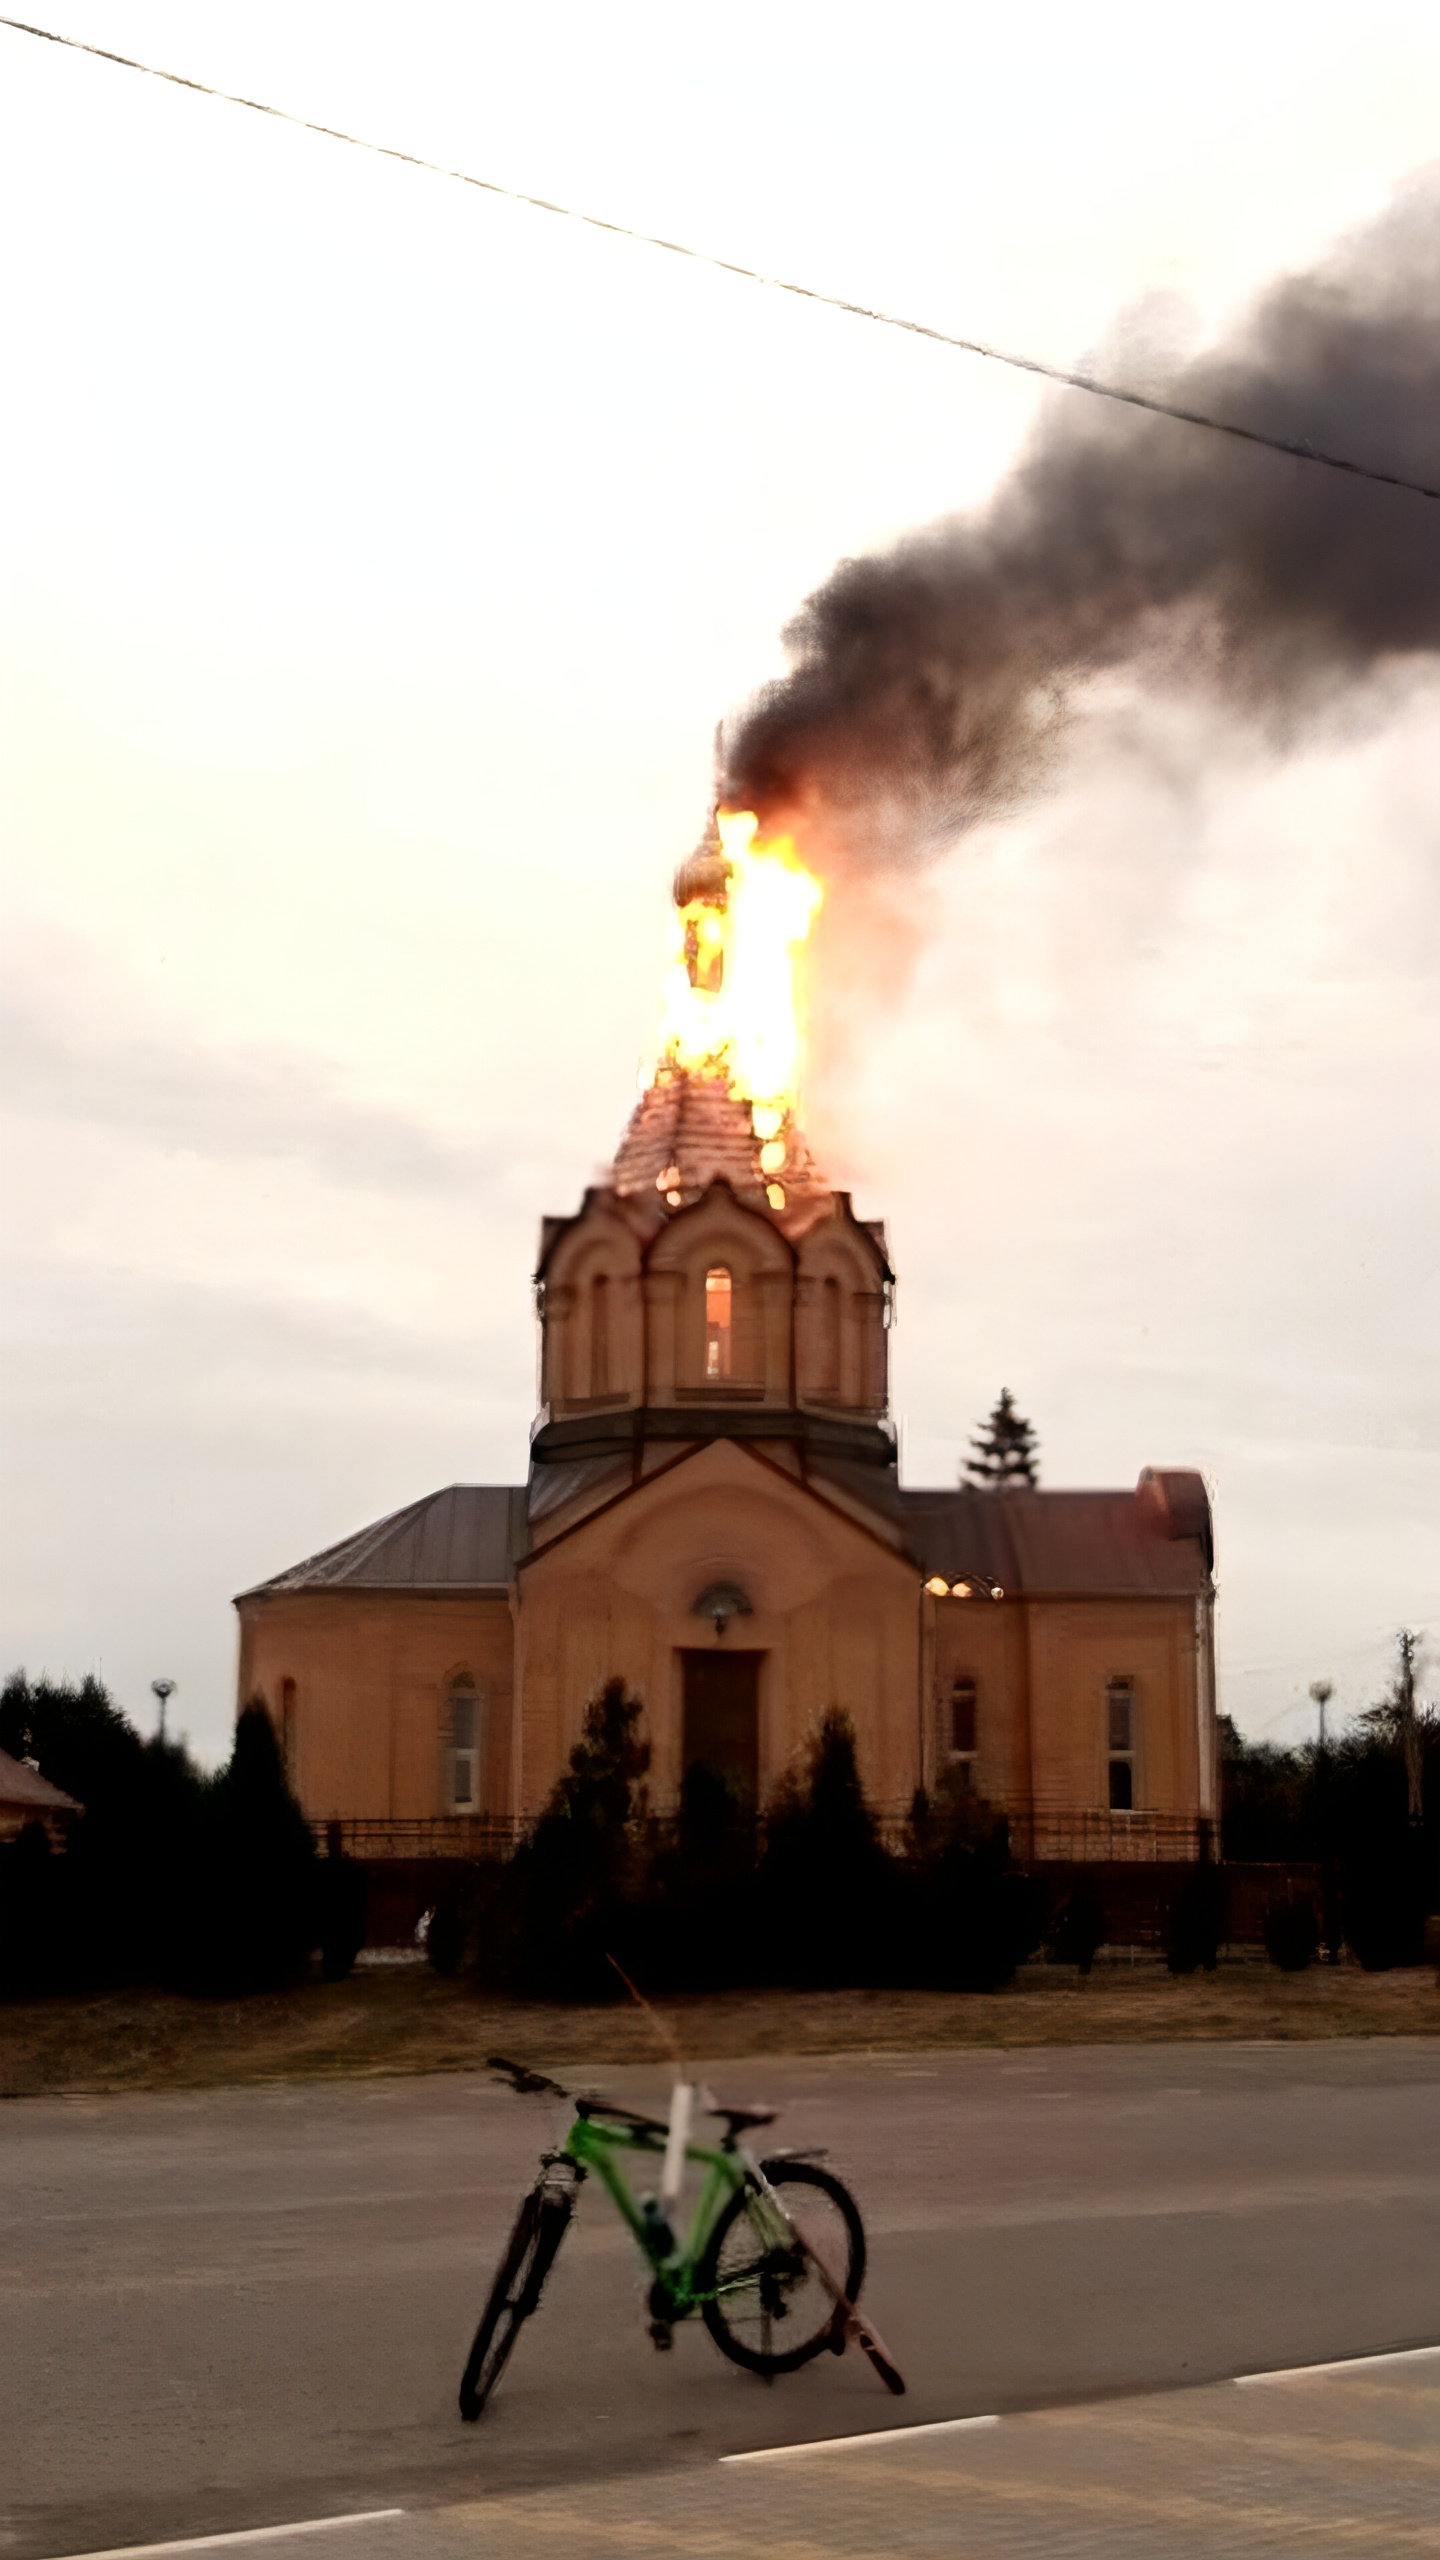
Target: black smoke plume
<point>929,682</point>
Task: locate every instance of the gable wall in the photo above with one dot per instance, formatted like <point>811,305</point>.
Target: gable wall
<point>835,1615</point>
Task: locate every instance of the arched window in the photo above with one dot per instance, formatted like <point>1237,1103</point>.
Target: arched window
<point>600,1335</point>
<point>465,1705</point>
<point>1120,1738</point>
<point>718,1331</point>
<point>830,1319</point>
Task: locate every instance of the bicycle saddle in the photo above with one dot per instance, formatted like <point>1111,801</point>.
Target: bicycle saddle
<point>739,2120</point>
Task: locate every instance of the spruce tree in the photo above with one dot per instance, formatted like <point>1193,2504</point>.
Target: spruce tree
<point>1005,1452</point>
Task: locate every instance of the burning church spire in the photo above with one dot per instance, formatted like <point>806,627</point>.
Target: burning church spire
<point>724,1097</point>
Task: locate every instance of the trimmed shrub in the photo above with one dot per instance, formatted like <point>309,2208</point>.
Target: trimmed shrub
<point>1292,1934</point>
<point>244,1919</point>
<point>34,1948</point>
<point>1196,1923</point>
<point>1079,1929</point>
<point>971,1918</point>
<point>546,1922</point>
<point>700,1901</point>
<point>827,1896</point>
<point>340,1900</point>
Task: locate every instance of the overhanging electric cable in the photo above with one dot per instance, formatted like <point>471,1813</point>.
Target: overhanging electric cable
<point>1296,447</point>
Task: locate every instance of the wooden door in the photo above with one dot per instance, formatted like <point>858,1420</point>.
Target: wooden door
<point>722,1715</point>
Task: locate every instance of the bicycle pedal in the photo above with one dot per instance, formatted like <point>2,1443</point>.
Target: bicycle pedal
<point>662,2336</point>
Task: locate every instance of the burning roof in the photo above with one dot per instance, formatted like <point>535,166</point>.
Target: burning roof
<point>691,1129</point>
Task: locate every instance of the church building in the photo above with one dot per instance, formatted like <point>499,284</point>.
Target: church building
<point>714,1514</point>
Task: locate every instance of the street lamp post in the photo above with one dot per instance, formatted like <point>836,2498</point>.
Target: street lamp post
<point>163,1690</point>
<point>1322,1691</point>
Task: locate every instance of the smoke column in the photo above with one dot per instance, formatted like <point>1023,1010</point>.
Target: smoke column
<point>928,683</point>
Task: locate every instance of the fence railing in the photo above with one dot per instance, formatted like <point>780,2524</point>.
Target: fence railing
<point>1144,1838</point>
<point>1036,1838</point>
<point>439,1835</point>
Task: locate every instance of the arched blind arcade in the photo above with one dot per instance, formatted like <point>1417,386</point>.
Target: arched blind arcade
<point>830,1338</point>
<point>600,1353</point>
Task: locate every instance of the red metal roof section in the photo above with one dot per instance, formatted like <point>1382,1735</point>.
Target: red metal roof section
<point>1156,1540</point>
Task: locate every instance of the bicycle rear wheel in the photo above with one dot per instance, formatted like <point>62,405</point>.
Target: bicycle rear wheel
<point>540,2227</point>
<point>765,2303</point>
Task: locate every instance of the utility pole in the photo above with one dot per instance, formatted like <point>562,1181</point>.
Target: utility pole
<point>1409,1730</point>
<point>1322,1691</point>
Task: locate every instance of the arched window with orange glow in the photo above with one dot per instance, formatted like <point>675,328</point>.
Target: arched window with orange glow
<point>718,1330</point>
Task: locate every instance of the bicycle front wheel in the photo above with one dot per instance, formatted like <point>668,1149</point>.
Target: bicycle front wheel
<point>539,2229</point>
<point>764,2300</point>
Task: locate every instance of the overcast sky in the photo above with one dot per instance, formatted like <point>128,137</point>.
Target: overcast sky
<point>378,559</point>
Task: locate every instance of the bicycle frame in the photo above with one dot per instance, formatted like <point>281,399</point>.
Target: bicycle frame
<point>592,2145</point>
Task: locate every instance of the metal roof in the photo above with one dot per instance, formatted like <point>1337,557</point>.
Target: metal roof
<point>22,1789</point>
<point>470,1536</point>
<point>1152,1540</point>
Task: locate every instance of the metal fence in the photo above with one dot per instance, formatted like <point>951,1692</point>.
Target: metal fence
<point>1148,1839</point>
<point>440,1835</point>
<point>1036,1838</point>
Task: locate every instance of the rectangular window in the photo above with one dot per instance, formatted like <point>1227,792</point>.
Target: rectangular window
<point>962,1709</point>
<point>1120,1738</point>
<point>462,1750</point>
<point>962,1719</point>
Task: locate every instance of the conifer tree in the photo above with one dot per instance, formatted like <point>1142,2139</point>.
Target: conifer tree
<point>1005,1452</point>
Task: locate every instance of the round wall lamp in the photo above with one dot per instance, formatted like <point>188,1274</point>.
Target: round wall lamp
<point>721,1602</point>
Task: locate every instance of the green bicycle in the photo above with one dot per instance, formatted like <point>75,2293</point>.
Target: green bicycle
<point>773,2261</point>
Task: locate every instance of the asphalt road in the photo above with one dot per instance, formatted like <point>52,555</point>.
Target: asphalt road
<point>247,2308</point>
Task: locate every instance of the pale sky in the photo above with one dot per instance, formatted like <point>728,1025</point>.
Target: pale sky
<point>378,560</point>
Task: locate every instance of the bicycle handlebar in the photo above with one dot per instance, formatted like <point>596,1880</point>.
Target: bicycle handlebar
<point>525,2082</point>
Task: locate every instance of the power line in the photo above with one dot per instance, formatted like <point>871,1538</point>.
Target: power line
<point>1296,447</point>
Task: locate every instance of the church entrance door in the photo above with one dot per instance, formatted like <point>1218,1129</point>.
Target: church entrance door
<point>722,1715</point>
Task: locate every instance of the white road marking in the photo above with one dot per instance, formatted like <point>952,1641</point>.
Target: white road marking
<point>840,2444</point>
<point>1342,2364</point>
<point>251,2533</point>
<point>955,2426</point>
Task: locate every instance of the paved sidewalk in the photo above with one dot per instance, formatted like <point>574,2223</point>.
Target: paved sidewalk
<point>1311,2465</point>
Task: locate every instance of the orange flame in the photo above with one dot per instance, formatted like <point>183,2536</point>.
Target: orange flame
<point>734,994</point>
